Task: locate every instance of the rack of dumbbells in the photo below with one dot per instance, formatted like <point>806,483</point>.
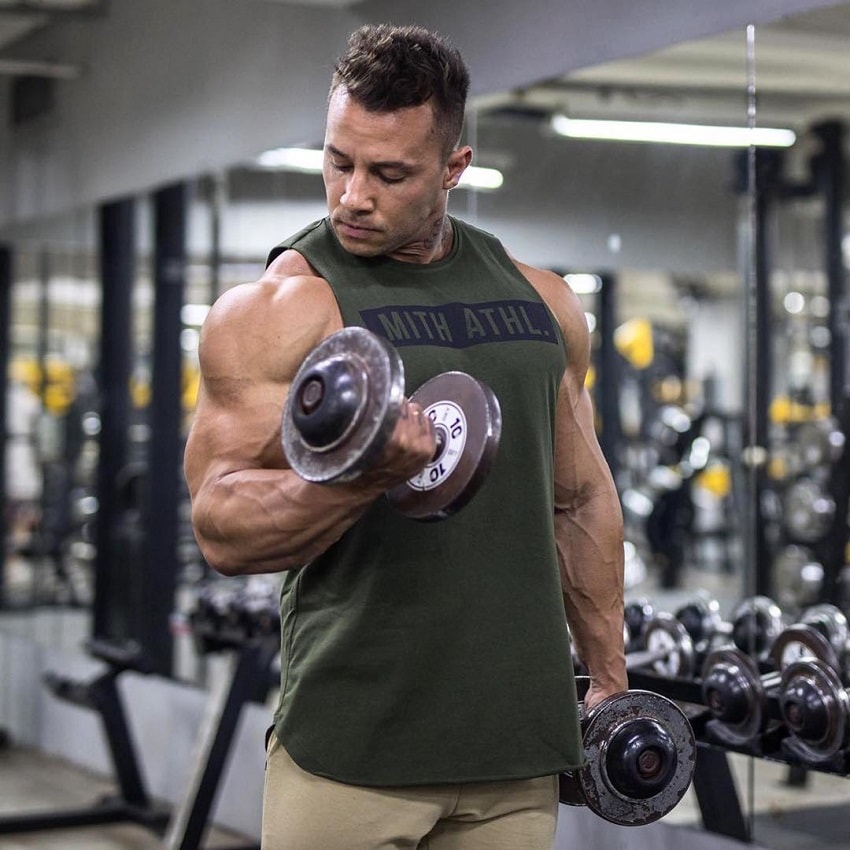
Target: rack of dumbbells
<point>760,683</point>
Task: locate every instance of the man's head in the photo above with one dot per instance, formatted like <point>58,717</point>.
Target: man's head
<point>387,68</point>
<point>392,153</point>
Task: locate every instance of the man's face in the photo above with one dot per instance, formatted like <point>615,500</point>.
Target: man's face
<point>386,178</point>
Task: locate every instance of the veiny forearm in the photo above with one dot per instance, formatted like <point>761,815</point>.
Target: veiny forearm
<point>262,520</point>
<point>590,550</point>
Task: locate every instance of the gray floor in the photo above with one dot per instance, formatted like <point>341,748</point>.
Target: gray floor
<point>813,817</point>
<point>33,782</point>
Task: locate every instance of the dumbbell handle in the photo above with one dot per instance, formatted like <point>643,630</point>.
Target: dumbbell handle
<point>645,657</point>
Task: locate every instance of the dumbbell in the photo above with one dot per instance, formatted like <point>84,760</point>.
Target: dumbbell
<point>255,609</point>
<point>668,649</point>
<point>636,614</point>
<point>641,754</point>
<point>820,633</point>
<point>662,644</point>
<point>344,403</point>
<point>753,625</point>
<point>736,690</point>
<point>815,708</point>
<point>672,645</point>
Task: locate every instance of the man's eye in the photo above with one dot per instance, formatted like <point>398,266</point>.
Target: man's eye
<point>391,179</point>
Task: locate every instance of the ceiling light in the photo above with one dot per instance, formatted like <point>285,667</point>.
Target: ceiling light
<point>476,177</point>
<point>675,134</point>
<point>309,161</point>
<point>38,68</point>
<point>584,284</point>
<point>292,159</point>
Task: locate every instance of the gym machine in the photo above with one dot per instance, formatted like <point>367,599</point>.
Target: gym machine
<point>241,621</point>
<point>132,803</point>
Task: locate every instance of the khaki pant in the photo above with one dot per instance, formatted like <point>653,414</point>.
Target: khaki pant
<point>306,812</point>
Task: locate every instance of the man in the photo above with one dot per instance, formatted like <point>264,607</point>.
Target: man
<point>427,694</point>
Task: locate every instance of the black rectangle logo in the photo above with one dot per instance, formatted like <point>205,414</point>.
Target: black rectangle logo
<point>458,325</point>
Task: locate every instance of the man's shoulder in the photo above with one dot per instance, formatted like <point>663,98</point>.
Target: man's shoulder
<point>314,230</point>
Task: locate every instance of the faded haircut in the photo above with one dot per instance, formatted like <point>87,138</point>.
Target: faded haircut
<point>390,67</point>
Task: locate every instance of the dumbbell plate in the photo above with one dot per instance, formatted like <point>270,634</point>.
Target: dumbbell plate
<point>665,635</point>
<point>831,621</point>
<point>465,414</point>
<point>756,623</point>
<point>734,692</point>
<point>800,642</point>
<point>815,707</point>
<point>611,721</point>
<point>380,373</point>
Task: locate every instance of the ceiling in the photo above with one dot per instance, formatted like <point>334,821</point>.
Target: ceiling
<point>802,70</point>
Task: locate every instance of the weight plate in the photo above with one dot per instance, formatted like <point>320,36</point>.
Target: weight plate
<point>799,577</point>
<point>467,420</point>
<point>701,617</point>
<point>815,444</point>
<point>641,754</point>
<point>831,622</point>
<point>569,791</point>
<point>756,623</point>
<point>807,510</point>
<point>734,692</point>
<point>801,642</point>
<point>665,635</point>
<point>815,708</point>
<point>637,613</point>
<point>374,382</point>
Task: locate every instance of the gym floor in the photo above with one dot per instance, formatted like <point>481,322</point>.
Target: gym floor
<point>31,781</point>
<point>812,817</point>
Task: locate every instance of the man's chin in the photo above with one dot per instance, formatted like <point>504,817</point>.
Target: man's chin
<point>360,247</point>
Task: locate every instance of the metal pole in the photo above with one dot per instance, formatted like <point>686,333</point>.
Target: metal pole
<point>165,449</point>
<point>5,323</point>
<point>117,267</point>
<point>830,177</point>
<point>608,378</point>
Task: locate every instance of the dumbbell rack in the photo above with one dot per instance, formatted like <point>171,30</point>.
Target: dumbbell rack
<point>713,782</point>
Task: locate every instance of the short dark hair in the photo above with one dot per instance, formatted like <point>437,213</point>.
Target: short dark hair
<point>390,67</point>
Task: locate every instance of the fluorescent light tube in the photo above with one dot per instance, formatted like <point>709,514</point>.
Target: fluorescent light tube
<point>476,177</point>
<point>292,159</point>
<point>309,161</point>
<point>675,134</point>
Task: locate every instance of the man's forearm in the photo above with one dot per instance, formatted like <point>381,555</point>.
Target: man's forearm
<point>259,521</point>
<point>590,549</point>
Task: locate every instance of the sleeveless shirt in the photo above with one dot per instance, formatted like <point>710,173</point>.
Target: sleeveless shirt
<point>437,652</point>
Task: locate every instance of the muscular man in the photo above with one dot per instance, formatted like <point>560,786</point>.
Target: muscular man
<point>427,695</point>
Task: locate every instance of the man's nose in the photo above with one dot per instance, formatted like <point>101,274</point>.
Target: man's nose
<point>357,194</point>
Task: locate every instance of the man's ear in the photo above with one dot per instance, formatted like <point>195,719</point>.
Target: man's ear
<point>458,161</point>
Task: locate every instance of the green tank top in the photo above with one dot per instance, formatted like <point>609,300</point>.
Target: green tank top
<point>419,653</point>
